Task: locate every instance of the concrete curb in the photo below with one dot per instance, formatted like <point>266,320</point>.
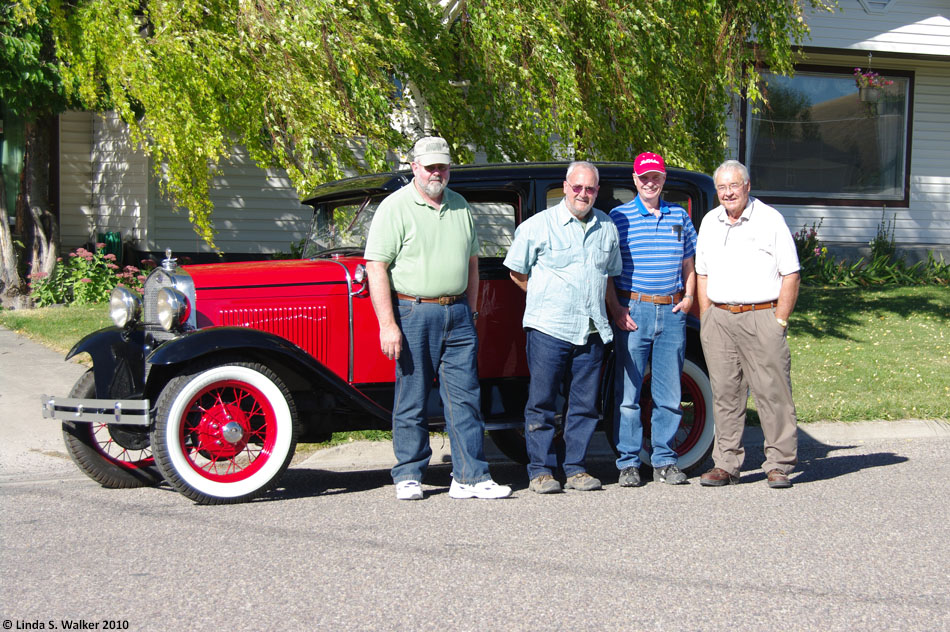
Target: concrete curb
<point>379,454</point>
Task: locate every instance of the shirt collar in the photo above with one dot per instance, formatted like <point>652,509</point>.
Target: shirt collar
<point>743,217</point>
<point>417,197</point>
<point>664,207</point>
<point>564,215</point>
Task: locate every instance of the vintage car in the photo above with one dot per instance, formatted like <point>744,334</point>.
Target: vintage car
<point>210,378</point>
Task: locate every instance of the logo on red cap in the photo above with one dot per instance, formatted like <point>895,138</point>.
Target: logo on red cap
<point>647,162</point>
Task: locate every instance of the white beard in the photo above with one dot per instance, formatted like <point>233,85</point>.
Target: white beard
<point>434,188</point>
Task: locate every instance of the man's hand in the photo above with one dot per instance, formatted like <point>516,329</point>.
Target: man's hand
<point>390,336</point>
<point>683,306</point>
<point>621,318</point>
<point>390,341</point>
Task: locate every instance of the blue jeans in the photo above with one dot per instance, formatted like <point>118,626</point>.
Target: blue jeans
<point>438,341</point>
<point>663,332</point>
<point>553,363</point>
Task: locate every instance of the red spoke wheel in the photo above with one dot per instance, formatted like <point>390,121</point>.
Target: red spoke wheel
<point>117,457</point>
<point>224,433</point>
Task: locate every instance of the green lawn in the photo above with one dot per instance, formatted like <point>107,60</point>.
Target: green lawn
<point>881,353</point>
<point>857,354</point>
<point>58,328</point>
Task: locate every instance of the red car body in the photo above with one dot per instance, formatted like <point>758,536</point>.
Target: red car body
<point>211,387</point>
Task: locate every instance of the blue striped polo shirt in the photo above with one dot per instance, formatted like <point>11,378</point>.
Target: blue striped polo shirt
<point>652,249</point>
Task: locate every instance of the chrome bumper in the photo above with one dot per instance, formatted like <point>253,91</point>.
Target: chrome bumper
<point>133,412</point>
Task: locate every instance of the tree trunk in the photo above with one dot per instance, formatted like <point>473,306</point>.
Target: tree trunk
<point>10,282</point>
<point>35,215</point>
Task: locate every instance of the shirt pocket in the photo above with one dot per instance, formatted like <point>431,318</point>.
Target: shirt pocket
<point>601,256</point>
<point>765,246</point>
<point>560,255</point>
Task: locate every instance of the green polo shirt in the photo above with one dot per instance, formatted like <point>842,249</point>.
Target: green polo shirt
<point>427,249</point>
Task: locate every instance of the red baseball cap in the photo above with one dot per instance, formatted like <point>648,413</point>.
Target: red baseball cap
<point>647,162</point>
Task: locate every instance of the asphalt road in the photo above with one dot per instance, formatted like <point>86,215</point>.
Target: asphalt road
<point>859,543</point>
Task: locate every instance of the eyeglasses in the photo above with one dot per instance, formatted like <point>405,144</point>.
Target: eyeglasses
<point>435,167</point>
<point>731,188</point>
<point>577,188</point>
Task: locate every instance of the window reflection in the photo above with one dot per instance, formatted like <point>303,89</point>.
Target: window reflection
<point>818,137</point>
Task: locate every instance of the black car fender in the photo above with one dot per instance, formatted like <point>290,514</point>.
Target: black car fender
<point>118,360</point>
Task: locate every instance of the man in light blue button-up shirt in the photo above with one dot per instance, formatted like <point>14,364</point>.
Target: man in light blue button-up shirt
<point>562,258</point>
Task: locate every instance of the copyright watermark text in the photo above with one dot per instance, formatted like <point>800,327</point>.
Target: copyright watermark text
<point>65,624</point>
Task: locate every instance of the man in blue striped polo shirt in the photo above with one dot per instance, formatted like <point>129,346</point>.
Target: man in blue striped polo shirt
<point>653,295</point>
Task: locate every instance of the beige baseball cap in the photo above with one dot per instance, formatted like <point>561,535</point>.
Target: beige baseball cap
<point>431,150</point>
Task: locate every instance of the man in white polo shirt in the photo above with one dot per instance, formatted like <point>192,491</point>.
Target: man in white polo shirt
<point>747,283</point>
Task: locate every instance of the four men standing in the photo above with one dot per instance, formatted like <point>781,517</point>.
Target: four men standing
<point>423,277</point>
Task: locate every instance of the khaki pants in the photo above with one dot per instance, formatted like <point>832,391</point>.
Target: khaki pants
<point>750,349</point>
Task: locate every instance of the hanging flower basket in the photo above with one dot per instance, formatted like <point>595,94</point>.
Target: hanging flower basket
<point>869,94</point>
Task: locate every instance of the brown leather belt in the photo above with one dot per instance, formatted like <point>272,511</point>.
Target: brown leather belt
<point>659,299</point>
<point>441,300</point>
<point>738,309</point>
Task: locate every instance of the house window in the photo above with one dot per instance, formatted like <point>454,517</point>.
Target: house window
<point>819,140</point>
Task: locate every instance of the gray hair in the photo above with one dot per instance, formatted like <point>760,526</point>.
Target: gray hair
<point>582,164</point>
<point>732,165</point>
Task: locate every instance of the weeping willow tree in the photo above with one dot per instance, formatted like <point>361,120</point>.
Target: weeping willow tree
<point>301,84</point>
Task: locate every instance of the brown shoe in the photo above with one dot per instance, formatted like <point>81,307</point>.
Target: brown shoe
<point>717,477</point>
<point>778,479</point>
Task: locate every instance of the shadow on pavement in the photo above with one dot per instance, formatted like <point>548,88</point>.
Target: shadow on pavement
<point>816,460</point>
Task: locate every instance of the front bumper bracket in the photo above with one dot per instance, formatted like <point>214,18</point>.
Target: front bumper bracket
<point>133,412</point>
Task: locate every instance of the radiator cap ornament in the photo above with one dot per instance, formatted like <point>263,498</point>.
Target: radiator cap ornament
<point>169,264</point>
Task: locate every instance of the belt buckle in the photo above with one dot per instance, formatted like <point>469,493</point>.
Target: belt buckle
<point>446,300</point>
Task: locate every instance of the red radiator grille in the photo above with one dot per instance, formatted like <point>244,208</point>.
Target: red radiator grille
<point>305,326</point>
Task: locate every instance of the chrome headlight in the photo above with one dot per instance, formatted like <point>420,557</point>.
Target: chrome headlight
<point>172,307</point>
<point>125,306</point>
<point>360,274</point>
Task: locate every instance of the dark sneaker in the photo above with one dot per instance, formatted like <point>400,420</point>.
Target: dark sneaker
<point>669,474</point>
<point>582,482</point>
<point>717,477</point>
<point>544,484</point>
<point>778,479</point>
<point>629,477</point>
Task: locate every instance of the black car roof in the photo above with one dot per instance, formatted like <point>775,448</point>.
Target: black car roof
<point>393,180</point>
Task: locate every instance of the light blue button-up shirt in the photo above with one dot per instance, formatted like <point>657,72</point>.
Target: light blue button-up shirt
<point>567,268</point>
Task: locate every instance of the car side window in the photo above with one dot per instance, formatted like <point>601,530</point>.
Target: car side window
<point>495,224</point>
<point>495,214</point>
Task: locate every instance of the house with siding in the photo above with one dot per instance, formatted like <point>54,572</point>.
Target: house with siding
<point>822,155</point>
<point>819,153</point>
<point>107,185</point>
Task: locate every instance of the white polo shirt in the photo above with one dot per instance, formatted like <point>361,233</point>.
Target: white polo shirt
<point>745,262</point>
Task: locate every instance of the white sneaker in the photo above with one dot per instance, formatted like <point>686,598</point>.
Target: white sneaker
<point>485,489</point>
<point>408,490</point>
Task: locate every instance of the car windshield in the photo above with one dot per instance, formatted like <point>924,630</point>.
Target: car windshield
<point>340,226</point>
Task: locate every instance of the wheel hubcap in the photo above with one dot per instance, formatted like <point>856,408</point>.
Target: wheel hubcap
<point>222,431</point>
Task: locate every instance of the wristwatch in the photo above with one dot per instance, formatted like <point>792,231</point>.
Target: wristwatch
<point>474,316</point>
<point>783,323</point>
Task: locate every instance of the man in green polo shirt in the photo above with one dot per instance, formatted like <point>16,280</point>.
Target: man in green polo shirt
<point>422,262</point>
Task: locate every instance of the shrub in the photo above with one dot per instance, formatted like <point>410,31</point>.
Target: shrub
<point>83,277</point>
<point>882,246</point>
<point>821,269</point>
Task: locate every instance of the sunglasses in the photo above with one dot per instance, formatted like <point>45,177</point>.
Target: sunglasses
<point>577,188</point>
